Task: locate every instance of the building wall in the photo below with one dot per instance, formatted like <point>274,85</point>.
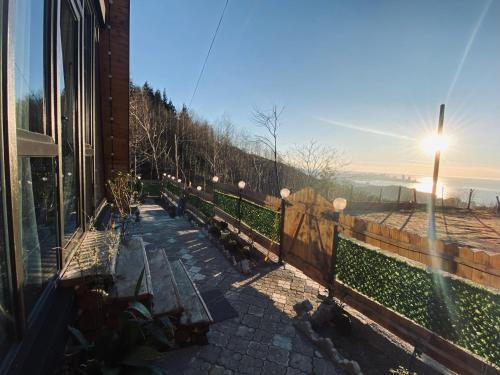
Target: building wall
<point>114,51</point>
<point>60,138</point>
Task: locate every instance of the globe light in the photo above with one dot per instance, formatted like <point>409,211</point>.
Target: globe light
<point>285,193</point>
<point>164,174</point>
<point>179,180</point>
<point>215,179</point>
<point>139,177</point>
<point>198,188</point>
<point>339,204</point>
<point>241,184</point>
<point>173,178</point>
<point>169,176</point>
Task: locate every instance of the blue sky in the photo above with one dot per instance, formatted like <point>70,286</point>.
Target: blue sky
<point>366,77</point>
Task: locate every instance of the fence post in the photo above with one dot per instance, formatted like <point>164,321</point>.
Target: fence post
<point>470,198</point>
<point>333,261</point>
<point>399,195</point>
<point>282,230</point>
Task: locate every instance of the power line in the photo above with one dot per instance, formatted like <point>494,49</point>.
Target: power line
<point>208,53</point>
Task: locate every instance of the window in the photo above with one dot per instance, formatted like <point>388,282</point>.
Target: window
<point>6,318</point>
<point>29,65</point>
<point>88,72</point>
<point>38,224</point>
<point>68,70</point>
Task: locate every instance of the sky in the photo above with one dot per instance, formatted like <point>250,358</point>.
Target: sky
<point>365,77</point>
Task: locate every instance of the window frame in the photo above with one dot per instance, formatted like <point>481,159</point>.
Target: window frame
<point>25,143</point>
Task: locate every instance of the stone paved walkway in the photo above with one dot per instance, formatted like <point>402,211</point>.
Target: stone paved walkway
<point>262,339</point>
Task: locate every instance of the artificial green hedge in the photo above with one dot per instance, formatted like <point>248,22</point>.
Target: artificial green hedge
<point>173,188</point>
<point>206,207</point>
<point>453,308</point>
<point>259,218</point>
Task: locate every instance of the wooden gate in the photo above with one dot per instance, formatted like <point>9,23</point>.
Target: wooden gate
<point>308,236</point>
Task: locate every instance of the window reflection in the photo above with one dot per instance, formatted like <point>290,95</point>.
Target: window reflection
<point>29,64</point>
<point>38,224</point>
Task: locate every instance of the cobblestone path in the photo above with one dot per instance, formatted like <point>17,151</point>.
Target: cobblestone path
<point>262,339</point>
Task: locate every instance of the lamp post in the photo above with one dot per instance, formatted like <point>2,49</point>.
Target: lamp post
<point>437,159</point>
<point>241,186</point>
<point>215,179</point>
<point>339,204</point>
<point>284,193</point>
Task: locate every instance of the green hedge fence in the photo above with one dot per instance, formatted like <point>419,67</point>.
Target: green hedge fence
<point>259,218</point>
<point>457,310</point>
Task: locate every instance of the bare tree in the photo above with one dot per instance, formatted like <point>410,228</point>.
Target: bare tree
<point>319,164</point>
<point>270,121</point>
<point>150,128</point>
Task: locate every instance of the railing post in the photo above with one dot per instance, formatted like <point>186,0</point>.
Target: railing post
<point>281,230</point>
<point>333,261</point>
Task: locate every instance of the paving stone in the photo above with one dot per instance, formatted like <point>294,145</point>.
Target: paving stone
<point>294,371</point>
<point>257,350</point>
<point>219,370</point>
<point>271,368</point>
<point>245,332</point>
<point>255,310</point>
<point>301,362</point>
<point>250,365</point>
<point>321,366</point>
<point>251,321</point>
<point>217,338</point>
<point>282,342</point>
<point>238,344</point>
<point>229,359</point>
<point>264,337</point>
<point>303,346</point>
<point>278,355</point>
<point>209,353</point>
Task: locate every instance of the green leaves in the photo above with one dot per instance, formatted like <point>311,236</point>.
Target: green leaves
<point>259,218</point>
<point>453,308</point>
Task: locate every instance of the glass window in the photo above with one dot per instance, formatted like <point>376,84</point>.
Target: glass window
<point>68,70</point>
<point>38,224</point>
<point>6,318</point>
<point>89,186</point>
<point>88,72</point>
<point>29,64</point>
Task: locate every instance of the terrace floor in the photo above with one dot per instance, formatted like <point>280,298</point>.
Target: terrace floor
<point>262,339</point>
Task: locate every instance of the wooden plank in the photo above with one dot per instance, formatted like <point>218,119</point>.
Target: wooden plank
<point>130,262</point>
<point>95,257</point>
<point>166,298</point>
<point>195,310</point>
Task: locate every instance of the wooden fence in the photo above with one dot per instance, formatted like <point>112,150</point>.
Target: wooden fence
<point>308,242</point>
<point>477,265</point>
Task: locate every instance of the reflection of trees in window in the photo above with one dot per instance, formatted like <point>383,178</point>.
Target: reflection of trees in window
<point>38,224</point>
<point>29,64</point>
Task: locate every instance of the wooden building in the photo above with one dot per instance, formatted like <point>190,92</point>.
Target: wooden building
<point>64,113</point>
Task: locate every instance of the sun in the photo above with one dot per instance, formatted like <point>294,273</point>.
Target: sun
<point>433,143</point>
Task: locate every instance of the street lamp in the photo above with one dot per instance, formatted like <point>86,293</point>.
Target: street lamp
<point>198,188</point>
<point>179,180</point>
<point>339,204</point>
<point>241,186</point>
<point>284,193</point>
<point>215,179</point>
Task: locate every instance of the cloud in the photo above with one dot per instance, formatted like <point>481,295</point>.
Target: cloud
<point>366,130</point>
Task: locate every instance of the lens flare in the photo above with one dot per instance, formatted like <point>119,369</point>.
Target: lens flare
<point>434,143</point>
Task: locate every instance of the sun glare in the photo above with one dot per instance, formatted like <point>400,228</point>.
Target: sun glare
<point>433,143</point>
<point>424,185</point>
